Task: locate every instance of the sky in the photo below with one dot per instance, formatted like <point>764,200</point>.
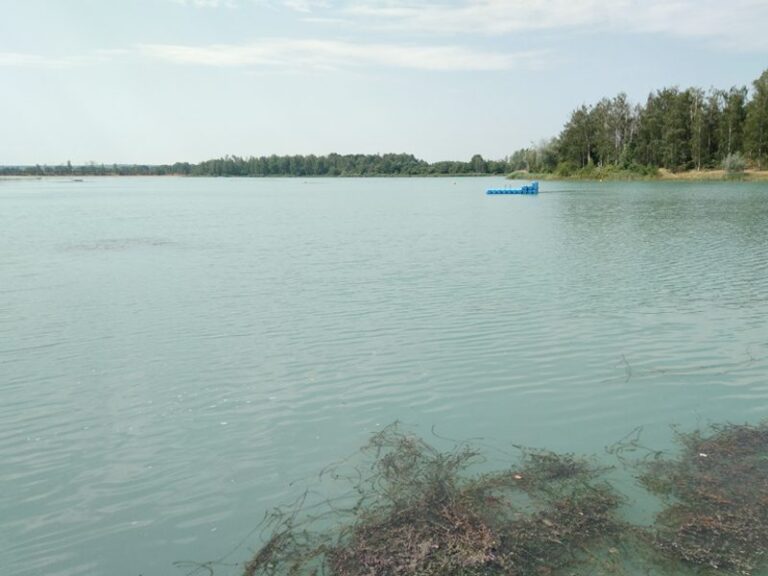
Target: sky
<point>160,81</point>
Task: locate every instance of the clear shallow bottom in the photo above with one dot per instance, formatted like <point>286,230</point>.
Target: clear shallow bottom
<point>174,352</point>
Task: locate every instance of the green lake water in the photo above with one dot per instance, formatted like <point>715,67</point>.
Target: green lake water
<point>175,353</point>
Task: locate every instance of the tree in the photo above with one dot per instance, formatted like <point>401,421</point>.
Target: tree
<point>676,128</point>
<point>756,129</point>
<point>478,164</point>
<point>578,138</point>
<point>710,138</point>
<point>649,132</point>
<point>732,120</point>
<point>698,124</point>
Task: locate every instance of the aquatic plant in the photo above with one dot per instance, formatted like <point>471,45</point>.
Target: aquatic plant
<point>716,516</point>
<point>416,510</point>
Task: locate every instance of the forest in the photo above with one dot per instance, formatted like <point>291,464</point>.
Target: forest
<point>675,129</point>
<point>296,165</point>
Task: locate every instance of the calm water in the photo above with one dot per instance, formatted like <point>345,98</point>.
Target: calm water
<point>175,352</point>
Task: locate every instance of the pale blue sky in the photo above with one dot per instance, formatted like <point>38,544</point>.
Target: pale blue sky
<point>170,80</point>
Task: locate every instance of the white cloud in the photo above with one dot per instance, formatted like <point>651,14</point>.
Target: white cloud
<point>304,5</point>
<point>477,16</point>
<point>331,54</point>
<point>328,21</point>
<point>739,24</point>
<point>207,3</point>
<point>38,61</point>
<point>295,5</point>
<point>735,24</point>
<point>24,60</point>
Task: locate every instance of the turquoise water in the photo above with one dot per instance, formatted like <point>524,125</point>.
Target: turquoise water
<point>175,352</point>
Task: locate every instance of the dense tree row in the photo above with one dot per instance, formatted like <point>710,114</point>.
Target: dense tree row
<point>675,129</point>
<point>331,165</point>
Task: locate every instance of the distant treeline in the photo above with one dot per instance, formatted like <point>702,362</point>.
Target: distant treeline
<point>675,129</point>
<point>330,165</point>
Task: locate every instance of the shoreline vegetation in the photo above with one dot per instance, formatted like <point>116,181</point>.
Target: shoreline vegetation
<point>588,173</point>
<point>677,134</point>
<point>331,165</point>
<point>613,174</point>
<point>404,507</point>
<point>594,175</point>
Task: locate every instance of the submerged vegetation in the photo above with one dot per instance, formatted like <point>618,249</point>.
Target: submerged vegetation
<point>413,510</point>
<point>716,516</point>
<point>420,511</point>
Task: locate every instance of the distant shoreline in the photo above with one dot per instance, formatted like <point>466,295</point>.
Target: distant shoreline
<point>717,175</point>
<point>67,178</point>
<point>598,175</point>
<point>661,175</point>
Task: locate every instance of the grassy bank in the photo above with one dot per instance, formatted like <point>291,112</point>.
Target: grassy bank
<point>651,174</point>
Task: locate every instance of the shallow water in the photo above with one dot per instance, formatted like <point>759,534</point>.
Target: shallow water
<point>175,352</point>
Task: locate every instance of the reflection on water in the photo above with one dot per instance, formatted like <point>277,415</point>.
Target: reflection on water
<point>174,352</point>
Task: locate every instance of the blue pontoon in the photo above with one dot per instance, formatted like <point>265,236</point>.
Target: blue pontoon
<point>532,188</point>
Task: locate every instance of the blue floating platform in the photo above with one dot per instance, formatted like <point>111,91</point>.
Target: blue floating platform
<point>532,188</point>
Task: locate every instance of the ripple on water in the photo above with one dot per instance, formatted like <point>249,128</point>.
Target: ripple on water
<point>157,400</point>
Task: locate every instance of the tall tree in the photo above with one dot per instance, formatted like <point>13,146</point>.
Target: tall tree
<point>578,138</point>
<point>698,125</point>
<point>756,136</point>
<point>732,120</point>
<point>676,131</point>
<point>649,132</point>
<point>710,137</point>
<point>478,164</point>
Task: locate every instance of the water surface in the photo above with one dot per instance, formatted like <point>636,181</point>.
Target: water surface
<point>175,352</point>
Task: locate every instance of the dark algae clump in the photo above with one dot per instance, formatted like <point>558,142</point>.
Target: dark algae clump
<point>416,510</point>
<point>716,517</point>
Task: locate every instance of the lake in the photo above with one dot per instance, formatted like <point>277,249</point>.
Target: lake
<point>176,353</point>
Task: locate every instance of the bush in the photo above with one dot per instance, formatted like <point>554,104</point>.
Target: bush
<point>565,169</point>
<point>734,163</point>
